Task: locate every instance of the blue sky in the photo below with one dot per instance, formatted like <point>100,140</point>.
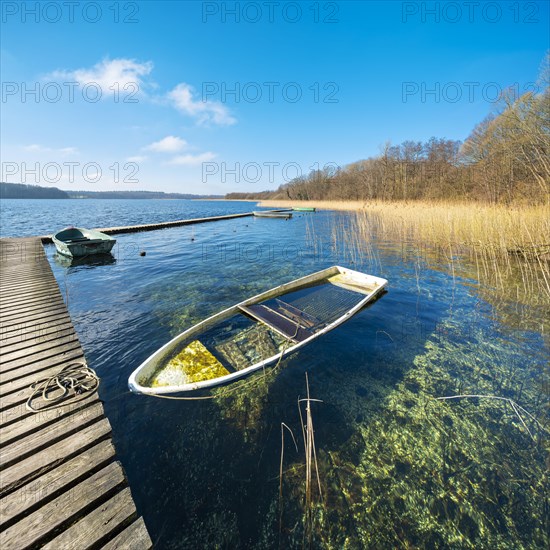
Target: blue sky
<point>212,97</point>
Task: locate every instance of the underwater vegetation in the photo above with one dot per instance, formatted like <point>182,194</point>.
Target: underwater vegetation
<point>397,466</point>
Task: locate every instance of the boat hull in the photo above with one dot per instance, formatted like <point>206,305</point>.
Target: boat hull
<point>75,242</point>
<point>271,214</point>
<point>368,286</point>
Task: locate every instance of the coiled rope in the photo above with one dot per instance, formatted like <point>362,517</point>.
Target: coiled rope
<point>77,379</point>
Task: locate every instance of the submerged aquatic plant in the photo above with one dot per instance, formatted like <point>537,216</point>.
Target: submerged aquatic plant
<point>310,464</point>
<point>518,409</point>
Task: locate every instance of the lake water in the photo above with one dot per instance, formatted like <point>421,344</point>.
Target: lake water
<point>397,467</point>
<point>26,218</point>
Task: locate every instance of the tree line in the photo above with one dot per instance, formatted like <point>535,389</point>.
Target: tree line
<point>23,191</point>
<point>505,159</point>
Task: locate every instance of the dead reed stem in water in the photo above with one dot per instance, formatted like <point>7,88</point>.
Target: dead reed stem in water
<point>311,459</point>
<point>515,407</point>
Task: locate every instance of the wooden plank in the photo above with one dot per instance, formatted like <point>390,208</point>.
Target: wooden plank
<point>64,427</point>
<point>134,537</point>
<point>28,327</point>
<point>297,315</point>
<point>59,452</point>
<point>32,263</point>
<point>27,287</point>
<point>18,307</point>
<point>18,302</point>
<point>9,351</point>
<point>33,306</point>
<point>35,269</point>
<point>25,376</point>
<point>41,332</point>
<point>32,422</point>
<point>24,260</point>
<point>274,320</point>
<point>41,489</point>
<point>31,316</point>
<point>11,360</point>
<point>24,296</point>
<point>35,527</point>
<point>13,287</point>
<point>53,351</point>
<point>98,524</point>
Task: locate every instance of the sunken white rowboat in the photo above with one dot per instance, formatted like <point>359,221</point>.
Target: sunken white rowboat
<point>256,333</point>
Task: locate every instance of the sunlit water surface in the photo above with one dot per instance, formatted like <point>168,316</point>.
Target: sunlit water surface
<point>397,467</point>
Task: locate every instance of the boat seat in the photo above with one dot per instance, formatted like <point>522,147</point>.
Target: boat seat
<point>85,241</point>
<point>301,317</point>
<point>278,322</point>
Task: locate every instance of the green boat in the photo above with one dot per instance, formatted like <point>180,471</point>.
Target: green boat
<point>304,209</point>
<point>76,242</point>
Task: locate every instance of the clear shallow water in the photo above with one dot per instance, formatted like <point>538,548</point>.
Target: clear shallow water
<point>397,467</point>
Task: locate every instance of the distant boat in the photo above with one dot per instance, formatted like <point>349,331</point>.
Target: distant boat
<point>256,333</point>
<point>76,242</point>
<point>272,214</point>
<point>304,209</point>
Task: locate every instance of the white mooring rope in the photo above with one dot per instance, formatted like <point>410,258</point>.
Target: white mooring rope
<point>76,377</point>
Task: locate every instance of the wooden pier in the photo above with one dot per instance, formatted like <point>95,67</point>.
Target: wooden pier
<point>46,239</point>
<point>60,483</point>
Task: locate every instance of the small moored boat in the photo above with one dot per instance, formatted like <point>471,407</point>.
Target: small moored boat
<point>304,209</point>
<point>256,333</point>
<point>272,214</point>
<point>76,242</point>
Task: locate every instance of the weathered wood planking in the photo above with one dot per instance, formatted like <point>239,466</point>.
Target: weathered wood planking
<point>60,483</point>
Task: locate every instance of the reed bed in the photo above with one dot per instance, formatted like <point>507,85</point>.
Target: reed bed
<point>508,247</point>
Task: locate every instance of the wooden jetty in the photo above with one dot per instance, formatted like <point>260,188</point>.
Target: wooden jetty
<point>60,483</point>
<point>47,239</point>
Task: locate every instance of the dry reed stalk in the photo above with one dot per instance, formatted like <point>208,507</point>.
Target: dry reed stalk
<point>515,407</point>
<point>501,241</point>
<point>311,458</point>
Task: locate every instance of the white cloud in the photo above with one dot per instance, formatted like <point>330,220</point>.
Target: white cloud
<point>169,144</point>
<point>125,76</point>
<point>181,97</point>
<point>193,160</point>
<point>124,79</point>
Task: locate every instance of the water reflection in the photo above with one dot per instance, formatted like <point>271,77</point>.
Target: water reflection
<point>83,262</point>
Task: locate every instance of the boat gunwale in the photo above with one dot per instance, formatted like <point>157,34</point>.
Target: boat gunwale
<point>136,387</point>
